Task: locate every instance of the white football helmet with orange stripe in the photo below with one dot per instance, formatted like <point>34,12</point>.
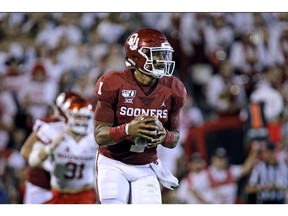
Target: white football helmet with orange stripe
<point>80,115</point>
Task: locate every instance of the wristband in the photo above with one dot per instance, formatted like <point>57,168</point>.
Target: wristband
<point>169,138</point>
<point>118,133</point>
<point>126,129</point>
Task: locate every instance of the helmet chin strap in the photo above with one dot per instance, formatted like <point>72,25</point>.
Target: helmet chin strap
<point>149,74</point>
<point>155,76</point>
<point>160,74</point>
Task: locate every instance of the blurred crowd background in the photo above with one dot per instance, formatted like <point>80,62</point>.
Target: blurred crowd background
<point>234,66</point>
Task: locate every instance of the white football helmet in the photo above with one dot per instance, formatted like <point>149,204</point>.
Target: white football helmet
<point>60,100</point>
<point>80,115</point>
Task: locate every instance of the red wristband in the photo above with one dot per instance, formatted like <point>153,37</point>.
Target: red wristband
<point>169,138</point>
<point>118,133</point>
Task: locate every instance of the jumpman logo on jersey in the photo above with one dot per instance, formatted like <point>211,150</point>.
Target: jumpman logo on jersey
<point>163,104</point>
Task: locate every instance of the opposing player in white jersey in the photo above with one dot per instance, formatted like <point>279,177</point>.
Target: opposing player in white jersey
<point>37,183</point>
<point>70,156</point>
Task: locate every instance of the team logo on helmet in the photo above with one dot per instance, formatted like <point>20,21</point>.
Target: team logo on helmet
<point>133,41</point>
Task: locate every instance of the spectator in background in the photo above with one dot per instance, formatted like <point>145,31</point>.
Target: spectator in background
<point>269,178</point>
<point>76,59</point>
<point>40,92</point>
<point>14,78</point>
<point>114,60</point>
<point>244,59</point>
<point>194,188</point>
<point>4,53</point>
<point>9,181</point>
<point>8,111</point>
<point>11,162</point>
<point>190,116</point>
<point>53,66</point>
<point>218,39</point>
<point>281,51</point>
<point>264,39</point>
<point>111,28</point>
<point>244,56</point>
<point>225,93</point>
<point>224,177</point>
<point>266,91</point>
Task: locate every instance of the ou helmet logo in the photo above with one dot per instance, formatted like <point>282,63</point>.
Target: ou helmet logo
<point>133,41</point>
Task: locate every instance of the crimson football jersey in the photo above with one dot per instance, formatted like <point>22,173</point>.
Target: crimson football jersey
<point>121,98</point>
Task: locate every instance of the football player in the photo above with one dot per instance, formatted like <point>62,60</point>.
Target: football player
<point>141,103</point>
<point>37,184</point>
<point>70,156</point>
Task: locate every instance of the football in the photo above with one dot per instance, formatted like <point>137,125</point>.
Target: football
<point>142,141</point>
<point>158,124</point>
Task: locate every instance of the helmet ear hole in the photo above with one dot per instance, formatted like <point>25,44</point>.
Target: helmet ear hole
<point>148,67</point>
<point>145,51</point>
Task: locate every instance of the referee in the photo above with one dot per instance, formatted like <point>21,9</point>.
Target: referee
<point>269,178</point>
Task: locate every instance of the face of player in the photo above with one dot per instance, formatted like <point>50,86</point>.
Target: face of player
<point>81,123</point>
<point>159,61</point>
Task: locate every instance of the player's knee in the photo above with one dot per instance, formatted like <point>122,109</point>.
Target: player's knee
<point>109,190</point>
<point>146,191</point>
<point>112,192</point>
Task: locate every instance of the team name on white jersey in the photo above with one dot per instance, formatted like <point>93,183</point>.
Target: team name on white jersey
<point>73,157</point>
<point>130,111</point>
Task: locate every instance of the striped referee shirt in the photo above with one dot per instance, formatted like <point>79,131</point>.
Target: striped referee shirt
<point>270,174</point>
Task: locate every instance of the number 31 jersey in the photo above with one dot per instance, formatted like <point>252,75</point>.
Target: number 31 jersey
<point>73,163</point>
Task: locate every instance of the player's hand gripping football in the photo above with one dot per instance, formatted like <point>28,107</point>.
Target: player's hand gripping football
<point>160,136</point>
<point>142,126</point>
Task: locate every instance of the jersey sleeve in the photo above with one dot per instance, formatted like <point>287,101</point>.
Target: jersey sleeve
<point>34,159</point>
<point>107,88</point>
<point>46,132</point>
<point>179,95</point>
<point>178,101</point>
<point>38,124</point>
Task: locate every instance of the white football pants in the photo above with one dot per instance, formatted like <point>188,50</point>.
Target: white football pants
<point>120,183</point>
<point>35,195</point>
